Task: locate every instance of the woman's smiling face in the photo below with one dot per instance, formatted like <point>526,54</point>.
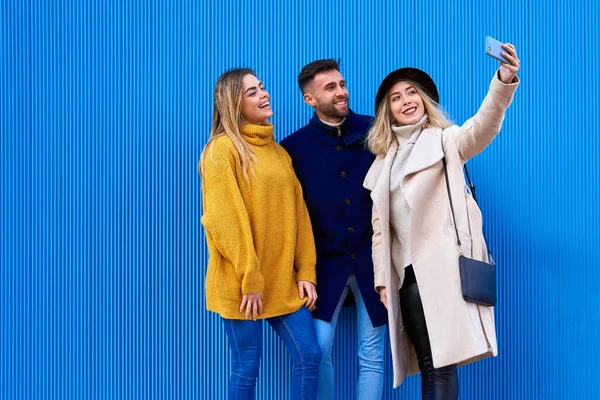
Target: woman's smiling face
<point>256,104</point>
<point>406,104</point>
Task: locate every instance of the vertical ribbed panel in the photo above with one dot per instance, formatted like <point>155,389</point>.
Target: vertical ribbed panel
<point>105,107</point>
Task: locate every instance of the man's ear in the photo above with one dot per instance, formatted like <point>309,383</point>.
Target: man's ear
<point>309,99</point>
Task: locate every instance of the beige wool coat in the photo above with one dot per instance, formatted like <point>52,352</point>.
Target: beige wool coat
<point>459,332</point>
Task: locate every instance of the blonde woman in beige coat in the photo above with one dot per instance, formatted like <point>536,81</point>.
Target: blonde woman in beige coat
<point>415,254</point>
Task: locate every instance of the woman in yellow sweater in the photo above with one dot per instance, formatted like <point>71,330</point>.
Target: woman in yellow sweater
<point>260,242</point>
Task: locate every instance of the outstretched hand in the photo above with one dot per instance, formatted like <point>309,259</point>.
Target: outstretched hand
<point>509,71</point>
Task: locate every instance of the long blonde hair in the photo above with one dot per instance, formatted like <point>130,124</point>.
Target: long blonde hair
<point>227,118</point>
<point>381,136</point>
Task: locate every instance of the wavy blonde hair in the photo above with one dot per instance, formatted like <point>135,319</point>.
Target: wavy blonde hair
<point>227,118</point>
<point>381,136</point>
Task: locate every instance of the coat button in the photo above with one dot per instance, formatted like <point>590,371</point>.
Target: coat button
<point>338,147</point>
<point>343,174</point>
<point>350,229</point>
<point>347,202</point>
<point>353,256</point>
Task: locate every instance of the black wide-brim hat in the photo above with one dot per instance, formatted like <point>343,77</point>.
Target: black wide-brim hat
<point>407,74</point>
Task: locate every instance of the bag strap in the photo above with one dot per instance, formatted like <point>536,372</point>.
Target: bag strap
<point>460,252</point>
<point>472,188</point>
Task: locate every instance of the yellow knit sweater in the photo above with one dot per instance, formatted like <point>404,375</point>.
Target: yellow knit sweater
<point>258,231</point>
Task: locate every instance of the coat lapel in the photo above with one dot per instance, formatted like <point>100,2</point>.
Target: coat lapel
<point>378,181</point>
<point>378,178</point>
<point>426,152</point>
<point>373,173</point>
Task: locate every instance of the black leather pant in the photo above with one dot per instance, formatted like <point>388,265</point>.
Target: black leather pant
<point>436,383</point>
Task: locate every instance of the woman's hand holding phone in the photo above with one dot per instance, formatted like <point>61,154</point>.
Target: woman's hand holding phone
<point>508,71</point>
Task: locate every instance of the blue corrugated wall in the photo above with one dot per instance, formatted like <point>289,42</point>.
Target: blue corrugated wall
<point>105,107</point>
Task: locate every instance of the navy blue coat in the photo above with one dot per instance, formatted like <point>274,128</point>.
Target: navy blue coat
<point>331,165</point>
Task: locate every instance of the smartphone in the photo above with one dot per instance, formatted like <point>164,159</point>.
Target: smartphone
<point>494,49</point>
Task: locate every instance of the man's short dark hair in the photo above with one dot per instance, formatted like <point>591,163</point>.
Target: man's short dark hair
<point>310,70</point>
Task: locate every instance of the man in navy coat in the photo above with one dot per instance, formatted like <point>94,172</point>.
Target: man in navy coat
<point>331,161</point>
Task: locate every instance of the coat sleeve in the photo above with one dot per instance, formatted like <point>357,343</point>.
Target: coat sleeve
<point>306,256</point>
<point>478,132</point>
<point>378,270</point>
<point>225,218</point>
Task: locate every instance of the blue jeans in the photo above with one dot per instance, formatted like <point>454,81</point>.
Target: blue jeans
<point>297,332</point>
<point>370,350</point>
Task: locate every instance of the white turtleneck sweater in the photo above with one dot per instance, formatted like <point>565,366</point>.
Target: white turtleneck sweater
<point>334,125</point>
<point>400,217</point>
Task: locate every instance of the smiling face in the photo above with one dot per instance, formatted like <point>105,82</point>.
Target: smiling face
<point>405,102</point>
<point>256,104</point>
<point>327,93</point>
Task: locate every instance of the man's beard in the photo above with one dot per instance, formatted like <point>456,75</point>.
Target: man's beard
<point>329,110</point>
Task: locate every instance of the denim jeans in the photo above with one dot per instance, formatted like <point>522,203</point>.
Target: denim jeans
<point>370,350</point>
<point>297,332</point>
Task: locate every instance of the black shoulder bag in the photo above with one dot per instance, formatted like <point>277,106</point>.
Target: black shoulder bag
<point>477,278</point>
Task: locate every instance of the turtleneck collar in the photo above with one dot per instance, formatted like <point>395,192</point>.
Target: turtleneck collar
<point>332,124</point>
<point>408,133</point>
<point>258,135</point>
<point>351,129</point>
